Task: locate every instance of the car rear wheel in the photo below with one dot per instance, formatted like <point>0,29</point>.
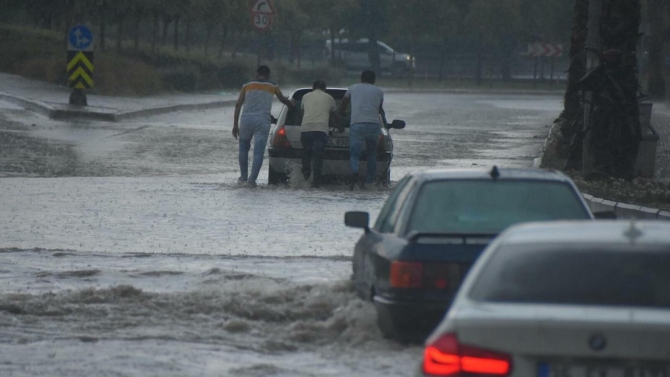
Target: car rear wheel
<point>275,178</point>
<point>385,179</point>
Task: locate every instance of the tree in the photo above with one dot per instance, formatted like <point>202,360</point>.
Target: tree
<point>614,129</point>
<point>495,25</point>
<point>569,146</point>
<point>655,78</point>
<point>417,21</point>
<point>120,10</point>
<point>292,20</point>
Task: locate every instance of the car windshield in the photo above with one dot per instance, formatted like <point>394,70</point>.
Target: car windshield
<point>487,206</point>
<point>556,274</point>
<point>294,115</point>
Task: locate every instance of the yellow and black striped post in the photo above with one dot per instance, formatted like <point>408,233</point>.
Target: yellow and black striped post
<point>80,69</point>
<point>79,63</point>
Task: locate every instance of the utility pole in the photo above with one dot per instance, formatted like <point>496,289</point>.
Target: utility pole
<point>592,61</point>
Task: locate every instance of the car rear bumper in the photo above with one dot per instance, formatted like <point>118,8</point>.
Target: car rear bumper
<point>411,317</point>
<point>335,162</point>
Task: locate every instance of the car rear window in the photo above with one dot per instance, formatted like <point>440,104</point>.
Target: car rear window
<point>488,206</point>
<point>294,116</point>
<point>616,275</point>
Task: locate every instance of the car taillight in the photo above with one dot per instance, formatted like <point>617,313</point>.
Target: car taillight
<point>446,357</point>
<point>280,140</point>
<point>381,148</point>
<point>406,274</point>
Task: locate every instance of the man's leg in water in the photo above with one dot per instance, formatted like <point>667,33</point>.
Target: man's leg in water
<point>260,141</point>
<point>246,133</point>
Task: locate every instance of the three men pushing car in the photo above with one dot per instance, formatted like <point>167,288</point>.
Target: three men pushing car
<point>366,102</point>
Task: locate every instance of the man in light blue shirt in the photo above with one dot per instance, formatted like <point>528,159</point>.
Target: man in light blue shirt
<point>366,110</point>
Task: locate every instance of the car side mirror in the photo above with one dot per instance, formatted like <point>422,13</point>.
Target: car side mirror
<point>357,219</point>
<point>605,215</point>
<point>398,124</point>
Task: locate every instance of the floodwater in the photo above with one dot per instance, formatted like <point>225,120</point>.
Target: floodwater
<point>129,249</point>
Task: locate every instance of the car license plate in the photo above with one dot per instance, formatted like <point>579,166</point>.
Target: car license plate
<point>598,370</point>
<point>338,142</point>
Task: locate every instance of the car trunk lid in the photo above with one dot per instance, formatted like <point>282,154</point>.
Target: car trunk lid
<point>562,332</point>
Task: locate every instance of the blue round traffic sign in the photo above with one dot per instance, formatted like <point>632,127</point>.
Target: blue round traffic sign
<point>80,37</point>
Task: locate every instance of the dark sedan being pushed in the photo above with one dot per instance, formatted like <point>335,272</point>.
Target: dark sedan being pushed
<point>434,226</point>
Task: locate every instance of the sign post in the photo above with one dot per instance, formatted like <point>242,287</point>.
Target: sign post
<point>80,63</point>
<point>541,49</point>
<point>262,13</point>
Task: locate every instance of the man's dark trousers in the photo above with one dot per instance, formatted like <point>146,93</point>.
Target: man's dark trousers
<point>313,146</point>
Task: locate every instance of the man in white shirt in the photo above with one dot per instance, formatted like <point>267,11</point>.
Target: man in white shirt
<point>366,111</point>
<point>318,106</point>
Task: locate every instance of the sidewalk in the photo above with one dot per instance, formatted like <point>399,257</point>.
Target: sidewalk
<point>52,100</point>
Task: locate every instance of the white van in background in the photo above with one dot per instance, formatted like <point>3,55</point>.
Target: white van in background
<point>354,55</point>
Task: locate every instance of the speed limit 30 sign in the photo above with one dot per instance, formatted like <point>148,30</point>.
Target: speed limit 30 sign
<point>261,12</point>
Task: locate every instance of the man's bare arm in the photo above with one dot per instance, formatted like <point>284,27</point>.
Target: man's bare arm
<point>343,105</point>
<point>288,102</point>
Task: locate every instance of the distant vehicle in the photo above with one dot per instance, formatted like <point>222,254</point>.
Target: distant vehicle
<point>433,227</point>
<point>561,299</point>
<point>354,55</point>
<point>285,149</point>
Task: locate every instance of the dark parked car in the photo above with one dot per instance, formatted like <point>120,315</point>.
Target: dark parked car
<point>285,148</point>
<point>433,227</point>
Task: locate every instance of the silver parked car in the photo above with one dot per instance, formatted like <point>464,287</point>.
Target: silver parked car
<point>285,148</point>
<point>566,299</point>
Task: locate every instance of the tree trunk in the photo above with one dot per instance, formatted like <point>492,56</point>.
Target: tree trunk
<point>103,24</point>
<point>333,60</point>
<point>443,54</point>
<point>176,33</point>
<point>569,145</point>
<point>299,51</point>
<point>138,20</point>
<point>371,13</point>
<point>480,52</point>
<point>154,31</point>
<point>655,78</point>
<point>166,23</point>
<point>187,42</point>
<point>119,34</point>
<point>208,37</point>
<point>224,36</point>
<point>615,128</point>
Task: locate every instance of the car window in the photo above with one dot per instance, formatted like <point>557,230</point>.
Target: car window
<point>390,204</point>
<point>389,222</point>
<point>488,206</point>
<point>556,274</point>
<point>294,115</point>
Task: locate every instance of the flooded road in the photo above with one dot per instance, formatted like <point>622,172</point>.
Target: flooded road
<point>128,249</point>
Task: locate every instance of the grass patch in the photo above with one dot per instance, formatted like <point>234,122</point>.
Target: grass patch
<point>41,54</point>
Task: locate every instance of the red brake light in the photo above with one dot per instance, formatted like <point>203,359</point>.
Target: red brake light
<point>280,140</point>
<point>380,145</point>
<point>446,357</point>
<point>406,274</point>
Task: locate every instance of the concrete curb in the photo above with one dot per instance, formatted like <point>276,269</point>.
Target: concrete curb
<point>173,108</point>
<point>28,104</point>
<point>621,210</point>
<point>64,114</point>
<point>520,92</point>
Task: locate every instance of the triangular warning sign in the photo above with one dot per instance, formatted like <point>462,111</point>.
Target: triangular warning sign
<point>262,7</point>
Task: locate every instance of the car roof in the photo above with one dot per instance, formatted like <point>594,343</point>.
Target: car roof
<point>327,89</point>
<point>589,232</point>
<point>487,173</point>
